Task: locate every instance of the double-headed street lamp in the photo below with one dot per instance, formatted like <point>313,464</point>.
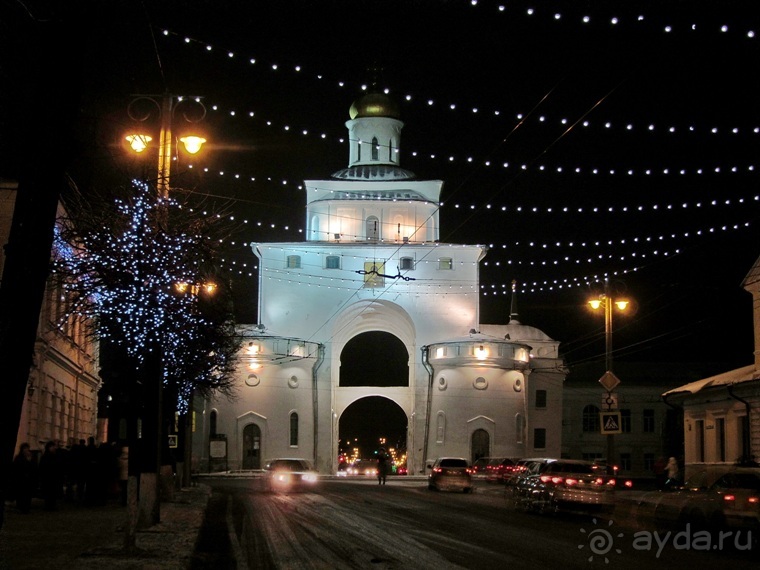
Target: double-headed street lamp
<point>140,109</point>
<point>610,423</point>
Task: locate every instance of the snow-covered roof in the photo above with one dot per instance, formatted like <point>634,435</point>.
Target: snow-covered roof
<point>737,376</point>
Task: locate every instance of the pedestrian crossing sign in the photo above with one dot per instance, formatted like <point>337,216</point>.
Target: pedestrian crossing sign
<point>610,423</point>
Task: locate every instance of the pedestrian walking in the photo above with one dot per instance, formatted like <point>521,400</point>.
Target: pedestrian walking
<point>382,466</point>
<point>24,478</point>
<point>674,473</point>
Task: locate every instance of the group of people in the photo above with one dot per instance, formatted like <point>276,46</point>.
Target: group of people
<point>86,472</point>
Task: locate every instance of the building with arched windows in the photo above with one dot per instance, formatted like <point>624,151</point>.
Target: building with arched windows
<point>373,308</point>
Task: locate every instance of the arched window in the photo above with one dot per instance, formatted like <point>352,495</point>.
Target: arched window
<point>212,423</point>
<point>373,228</point>
<point>293,429</point>
<point>440,431</point>
<point>591,419</point>
<point>375,148</point>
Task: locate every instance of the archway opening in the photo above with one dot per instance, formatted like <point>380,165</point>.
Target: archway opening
<point>369,424</point>
<point>374,358</point>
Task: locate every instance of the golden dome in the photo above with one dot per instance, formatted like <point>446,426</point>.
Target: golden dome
<point>374,105</point>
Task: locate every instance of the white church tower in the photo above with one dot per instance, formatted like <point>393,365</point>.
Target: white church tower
<point>373,285</point>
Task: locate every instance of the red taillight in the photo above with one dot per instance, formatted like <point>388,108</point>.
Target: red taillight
<point>545,478</point>
<point>611,482</point>
<point>729,498</point>
<point>598,481</point>
<point>753,500</point>
<point>437,469</point>
<point>629,483</point>
<point>571,482</point>
<point>557,480</point>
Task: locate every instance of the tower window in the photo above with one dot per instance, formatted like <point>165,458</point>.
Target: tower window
<point>540,398</point>
<point>332,262</point>
<point>294,262</point>
<point>294,429</point>
<point>539,438</point>
<point>445,263</point>
<point>375,148</point>
<point>406,263</point>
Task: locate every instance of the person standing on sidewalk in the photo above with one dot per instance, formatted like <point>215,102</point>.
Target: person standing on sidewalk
<point>382,466</point>
<point>24,478</point>
<point>51,476</point>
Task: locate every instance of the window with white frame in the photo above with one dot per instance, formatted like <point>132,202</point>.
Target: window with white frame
<point>332,262</point>
<point>294,262</point>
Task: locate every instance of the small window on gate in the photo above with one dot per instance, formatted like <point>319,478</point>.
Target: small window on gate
<point>406,263</point>
<point>332,262</point>
<point>294,262</point>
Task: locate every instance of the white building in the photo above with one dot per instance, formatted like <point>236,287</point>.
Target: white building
<point>721,414</point>
<point>372,305</point>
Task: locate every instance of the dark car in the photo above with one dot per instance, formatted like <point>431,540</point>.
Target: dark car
<point>363,468</point>
<point>289,474</point>
<point>553,485</point>
<point>450,473</point>
<point>479,466</point>
<point>497,467</point>
<point>732,501</point>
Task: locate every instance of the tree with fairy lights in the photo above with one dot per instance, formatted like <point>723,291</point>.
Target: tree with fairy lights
<point>141,269</point>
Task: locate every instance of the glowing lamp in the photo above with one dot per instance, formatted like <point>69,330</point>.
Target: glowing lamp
<point>139,142</point>
<point>193,143</point>
<point>595,303</point>
<point>621,305</point>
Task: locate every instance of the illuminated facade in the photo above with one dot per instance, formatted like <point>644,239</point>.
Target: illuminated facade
<point>372,268</point>
<point>62,391</point>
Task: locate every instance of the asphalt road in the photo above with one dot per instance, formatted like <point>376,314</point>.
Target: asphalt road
<point>345,524</point>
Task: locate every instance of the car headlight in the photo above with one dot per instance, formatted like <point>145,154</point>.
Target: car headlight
<point>309,478</point>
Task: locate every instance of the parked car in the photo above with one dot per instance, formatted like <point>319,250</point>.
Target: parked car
<point>732,501</point>
<point>497,467</point>
<point>554,485</point>
<point>290,474</point>
<point>479,466</point>
<point>450,473</point>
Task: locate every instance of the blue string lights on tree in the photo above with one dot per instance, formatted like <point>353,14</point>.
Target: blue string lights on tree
<point>123,274</point>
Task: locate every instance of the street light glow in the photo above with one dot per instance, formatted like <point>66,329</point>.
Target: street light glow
<point>192,143</point>
<point>139,142</point>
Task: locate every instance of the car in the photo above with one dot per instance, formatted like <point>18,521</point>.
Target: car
<point>497,467</point>
<point>290,474</point>
<point>509,478</point>
<point>731,501</point>
<point>553,485</point>
<point>363,468</point>
<point>448,473</point>
<point>479,466</point>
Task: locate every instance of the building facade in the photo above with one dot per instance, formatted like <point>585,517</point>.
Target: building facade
<point>372,305</point>
<point>721,414</point>
<point>62,391</point>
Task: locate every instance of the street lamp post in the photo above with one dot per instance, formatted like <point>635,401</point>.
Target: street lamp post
<point>140,109</point>
<point>609,381</point>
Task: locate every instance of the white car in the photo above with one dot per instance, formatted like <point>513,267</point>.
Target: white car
<point>290,474</point>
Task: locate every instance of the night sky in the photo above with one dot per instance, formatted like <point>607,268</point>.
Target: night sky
<point>625,146</point>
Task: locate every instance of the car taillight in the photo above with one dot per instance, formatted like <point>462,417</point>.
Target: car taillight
<point>729,498</point>
<point>556,480</point>
<point>437,469</point>
<point>629,484</point>
<point>468,470</point>
<point>611,482</point>
<point>571,482</point>
<point>545,478</point>
<point>598,481</point>
<point>753,500</point>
